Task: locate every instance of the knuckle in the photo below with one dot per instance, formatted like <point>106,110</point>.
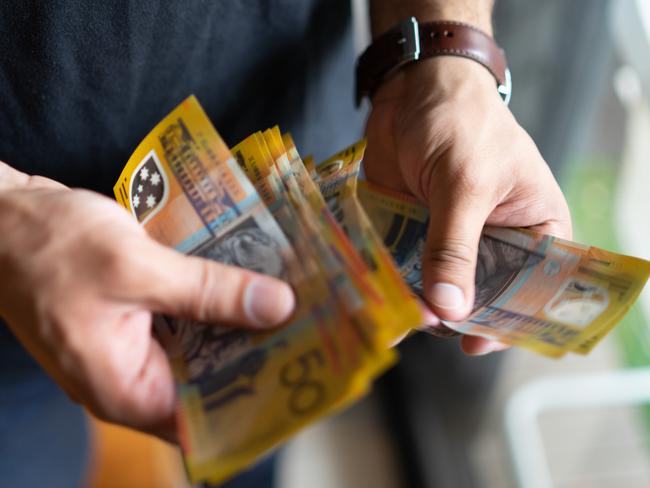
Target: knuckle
<point>115,403</point>
<point>109,411</point>
<point>471,181</point>
<point>451,255</point>
<point>219,292</point>
<point>459,178</point>
<point>61,328</point>
<point>122,393</point>
<point>113,266</point>
<point>206,296</point>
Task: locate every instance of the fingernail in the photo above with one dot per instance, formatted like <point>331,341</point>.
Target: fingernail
<point>268,302</point>
<point>483,352</point>
<point>428,317</point>
<point>447,296</point>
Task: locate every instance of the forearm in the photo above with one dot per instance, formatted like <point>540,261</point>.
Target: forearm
<point>384,14</point>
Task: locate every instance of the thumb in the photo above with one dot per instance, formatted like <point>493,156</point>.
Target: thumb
<point>450,254</point>
<point>207,291</point>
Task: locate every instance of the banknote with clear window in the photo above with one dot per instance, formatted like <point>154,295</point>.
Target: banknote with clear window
<point>369,321</point>
<point>532,290</point>
<point>255,159</point>
<point>337,181</point>
<point>254,156</point>
<point>240,393</point>
<point>376,319</point>
<point>380,317</point>
<point>398,311</point>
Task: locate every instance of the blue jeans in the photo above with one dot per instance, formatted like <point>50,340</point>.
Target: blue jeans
<point>44,436</point>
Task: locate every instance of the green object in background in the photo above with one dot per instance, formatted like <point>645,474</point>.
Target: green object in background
<point>590,189</point>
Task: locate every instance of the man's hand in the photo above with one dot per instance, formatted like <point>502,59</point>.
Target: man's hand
<point>440,131</point>
<point>80,280</point>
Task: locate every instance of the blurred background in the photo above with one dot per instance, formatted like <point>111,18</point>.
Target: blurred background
<point>581,74</point>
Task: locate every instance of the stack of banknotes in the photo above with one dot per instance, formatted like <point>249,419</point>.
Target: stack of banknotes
<point>352,253</point>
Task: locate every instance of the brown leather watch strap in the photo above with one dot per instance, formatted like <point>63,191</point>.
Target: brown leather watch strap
<point>411,41</point>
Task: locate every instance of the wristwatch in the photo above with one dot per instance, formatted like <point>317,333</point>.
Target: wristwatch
<point>410,41</point>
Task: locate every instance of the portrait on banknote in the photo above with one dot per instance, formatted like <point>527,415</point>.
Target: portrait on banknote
<point>204,347</point>
<point>247,246</point>
<point>499,262</point>
<point>207,347</point>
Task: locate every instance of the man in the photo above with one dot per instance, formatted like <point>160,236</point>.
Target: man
<point>81,84</point>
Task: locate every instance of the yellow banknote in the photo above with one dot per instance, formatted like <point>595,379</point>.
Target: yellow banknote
<point>240,393</point>
<point>536,291</point>
<point>337,180</point>
<point>366,299</point>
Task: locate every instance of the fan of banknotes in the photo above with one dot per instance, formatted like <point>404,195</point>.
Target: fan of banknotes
<point>352,252</point>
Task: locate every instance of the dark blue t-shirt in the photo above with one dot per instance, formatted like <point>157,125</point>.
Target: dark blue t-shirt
<point>81,83</point>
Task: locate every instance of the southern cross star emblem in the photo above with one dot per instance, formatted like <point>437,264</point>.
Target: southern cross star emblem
<point>148,188</point>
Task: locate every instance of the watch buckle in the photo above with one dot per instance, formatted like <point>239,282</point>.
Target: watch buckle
<point>505,90</point>
<point>410,40</point>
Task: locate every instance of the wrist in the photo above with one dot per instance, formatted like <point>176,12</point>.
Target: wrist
<point>413,42</point>
<point>438,79</point>
<point>386,13</point>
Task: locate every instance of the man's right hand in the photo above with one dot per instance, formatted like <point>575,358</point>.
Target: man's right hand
<point>80,281</point>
